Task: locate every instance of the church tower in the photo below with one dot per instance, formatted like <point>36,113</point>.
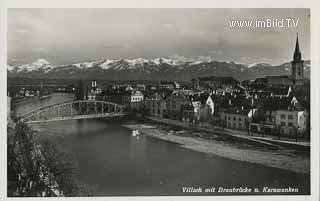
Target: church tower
<point>297,66</point>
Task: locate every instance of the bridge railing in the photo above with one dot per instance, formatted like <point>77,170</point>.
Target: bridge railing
<point>73,109</point>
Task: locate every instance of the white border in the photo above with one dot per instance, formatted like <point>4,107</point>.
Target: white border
<point>315,72</point>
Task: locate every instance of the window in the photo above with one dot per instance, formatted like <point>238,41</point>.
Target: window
<point>234,118</point>
<point>290,117</point>
<point>240,125</point>
<point>290,124</point>
<point>283,116</point>
<point>240,119</point>
<point>229,118</point>
<point>283,123</point>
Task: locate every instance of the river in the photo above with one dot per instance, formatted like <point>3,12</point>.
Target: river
<point>113,162</point>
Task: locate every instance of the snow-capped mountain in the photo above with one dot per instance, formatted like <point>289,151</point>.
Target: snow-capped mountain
<point>259,65</point>
<point>38,65</point>
<point>149,69</point>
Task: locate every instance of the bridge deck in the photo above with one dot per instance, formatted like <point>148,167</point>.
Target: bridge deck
<point>94,116</point>
<point>80,109</point>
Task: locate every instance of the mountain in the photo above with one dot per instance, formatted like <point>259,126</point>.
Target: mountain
<point>40,65</point>
<point>261,70</point>
<point>149,69</point>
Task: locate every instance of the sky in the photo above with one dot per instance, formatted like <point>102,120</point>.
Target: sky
<point>64,36</point>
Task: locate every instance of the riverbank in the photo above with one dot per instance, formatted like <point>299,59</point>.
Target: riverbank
<point>284,158</point>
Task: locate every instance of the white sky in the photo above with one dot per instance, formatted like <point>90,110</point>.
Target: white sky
<point>73,35</point>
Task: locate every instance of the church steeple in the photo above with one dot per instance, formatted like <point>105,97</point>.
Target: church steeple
<point>297,53</point>
<point>297,73</point>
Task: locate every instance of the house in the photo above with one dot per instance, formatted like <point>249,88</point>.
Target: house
<point>132,99</point>
<point>273,81</point>
<point>195,83</point>
<point>292,120</point>
<point>93,90</point>
<point>140,87</point>
<point>218,82</point>
<point>237,119</point>
<point>191,112</point>
<point>207,106</point>
<point>283,115</point>
<point>174,101</point>
<point>168,85</point>
<point>155,105</point>
<point>280,92</point>
<point>111,95</point>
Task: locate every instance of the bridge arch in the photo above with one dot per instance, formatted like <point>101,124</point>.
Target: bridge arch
<point>81,109</point>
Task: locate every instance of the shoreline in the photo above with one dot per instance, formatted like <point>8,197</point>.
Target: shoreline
<point>277,159</point>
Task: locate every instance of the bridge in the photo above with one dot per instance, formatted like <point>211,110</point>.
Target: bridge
<point>81,109</point>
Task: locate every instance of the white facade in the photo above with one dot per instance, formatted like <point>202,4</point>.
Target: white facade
<point>238,119</point>
<point>207,110</point>
<point>134,100</point>
<point>235,121</point>
<point>290,120</point>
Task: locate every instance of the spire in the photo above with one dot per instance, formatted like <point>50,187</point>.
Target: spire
<point>297,53</point>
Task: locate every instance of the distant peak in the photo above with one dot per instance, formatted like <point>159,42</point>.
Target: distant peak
<point>41,62</point>
<point>258,64</point>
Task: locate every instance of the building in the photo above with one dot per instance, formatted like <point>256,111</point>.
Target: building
<point>297,68</point>
<point>282,116</point>
<point>292,120</point>
<point>237,119</point>
<point>273,81</point>
<point>155,105</point>
<point>295,79</point>
<point>111,95</point>
<point>218,82</point>
<point>93,91</point>
<point>168,85</point>
<point>207,106</point>
<point>140,87</point>
<point>195,83</point>
<point>174,101</point>
<point>190,112</point>
<point>133,99</point>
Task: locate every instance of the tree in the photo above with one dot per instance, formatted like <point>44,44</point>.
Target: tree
<point>35,169</point>
<point>61,165</point>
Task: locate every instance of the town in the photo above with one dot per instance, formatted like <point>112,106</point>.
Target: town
<point>272,105</point>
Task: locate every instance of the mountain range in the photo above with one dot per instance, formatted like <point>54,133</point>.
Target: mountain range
<point>149,69</point>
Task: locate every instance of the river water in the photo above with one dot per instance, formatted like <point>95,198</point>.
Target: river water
<point>113,162</point>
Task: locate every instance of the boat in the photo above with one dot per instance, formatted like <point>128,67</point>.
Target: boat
<point>135,133</point>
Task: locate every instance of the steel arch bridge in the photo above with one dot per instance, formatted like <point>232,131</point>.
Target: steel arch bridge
<point>82,109</point>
